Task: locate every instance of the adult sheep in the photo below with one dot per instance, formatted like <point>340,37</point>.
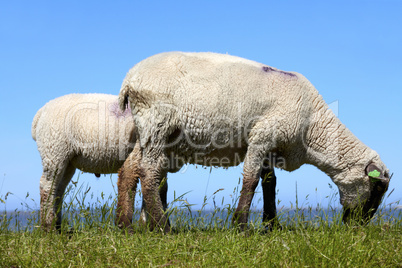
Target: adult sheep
<point>88,132</point>
<point>203,107</point>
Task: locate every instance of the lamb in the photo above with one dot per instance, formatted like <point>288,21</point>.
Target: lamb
<point>214,109</point>
<point>88,132</point>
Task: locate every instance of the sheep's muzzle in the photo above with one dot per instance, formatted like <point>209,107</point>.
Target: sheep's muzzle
<point>362,214</point>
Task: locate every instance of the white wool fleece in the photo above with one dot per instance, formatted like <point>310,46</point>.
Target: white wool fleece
<point>84,131</point>
<point>228,106</point>
<point>88,130</point>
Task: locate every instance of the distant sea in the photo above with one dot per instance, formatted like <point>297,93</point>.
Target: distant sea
<point>23,220</point>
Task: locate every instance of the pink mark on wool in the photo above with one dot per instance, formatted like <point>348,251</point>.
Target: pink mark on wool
<point>114,108</point>
<point>270,69</point>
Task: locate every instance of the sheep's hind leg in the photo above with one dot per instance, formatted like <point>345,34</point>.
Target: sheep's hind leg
<point>127,186</point>
<point>129,176</point>
<point>268,183</point>
<point>150,184</point>
<point>163,188</point>
<point>126,200</point>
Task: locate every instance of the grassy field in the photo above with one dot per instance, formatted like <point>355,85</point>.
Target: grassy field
<point>310,237</point>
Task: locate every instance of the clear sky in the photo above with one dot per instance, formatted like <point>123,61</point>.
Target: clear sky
<point>350,50</point>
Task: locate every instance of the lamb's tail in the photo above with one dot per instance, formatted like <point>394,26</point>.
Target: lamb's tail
<point>35,123</point>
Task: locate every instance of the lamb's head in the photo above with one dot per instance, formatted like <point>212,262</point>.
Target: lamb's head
<point>362,189</point>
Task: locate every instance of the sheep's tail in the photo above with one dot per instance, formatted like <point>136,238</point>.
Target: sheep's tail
<point>123,97</point>
<point>139,98</point>
<point>35,123</point>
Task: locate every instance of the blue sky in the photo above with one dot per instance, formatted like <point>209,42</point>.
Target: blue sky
<point>350,50</point>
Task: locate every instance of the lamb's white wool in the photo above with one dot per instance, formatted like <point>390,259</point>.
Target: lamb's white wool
<point>199,107</point>
<point>84,131</point>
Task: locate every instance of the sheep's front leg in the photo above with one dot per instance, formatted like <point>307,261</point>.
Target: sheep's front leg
<point>268,183</point>
<point>251,175</point>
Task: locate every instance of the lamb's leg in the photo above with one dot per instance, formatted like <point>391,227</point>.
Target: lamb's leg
<point>68,174</point>
<point>52,185</point>
<point>268,183</point>
<point>47,215</point>
<point>251,175</point>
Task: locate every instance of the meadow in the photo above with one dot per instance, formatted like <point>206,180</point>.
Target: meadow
<point>309,237</point>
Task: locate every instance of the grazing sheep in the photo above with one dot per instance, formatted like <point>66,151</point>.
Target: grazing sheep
<point>213,109</point>
<point>88,132</point>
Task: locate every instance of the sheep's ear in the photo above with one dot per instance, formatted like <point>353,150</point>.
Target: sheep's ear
<point>379,180</point>
<point>374,172</point>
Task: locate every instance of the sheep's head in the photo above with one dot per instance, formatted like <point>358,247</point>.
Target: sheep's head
<point>362,197</point>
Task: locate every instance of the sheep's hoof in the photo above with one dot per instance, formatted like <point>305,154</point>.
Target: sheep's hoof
<point>126,228</point>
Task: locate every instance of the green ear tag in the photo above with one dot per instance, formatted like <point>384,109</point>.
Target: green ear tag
<point>374,175</point>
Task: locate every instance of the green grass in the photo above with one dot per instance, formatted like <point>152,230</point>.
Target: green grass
<point>305,240</point>
<point>339,247</point>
